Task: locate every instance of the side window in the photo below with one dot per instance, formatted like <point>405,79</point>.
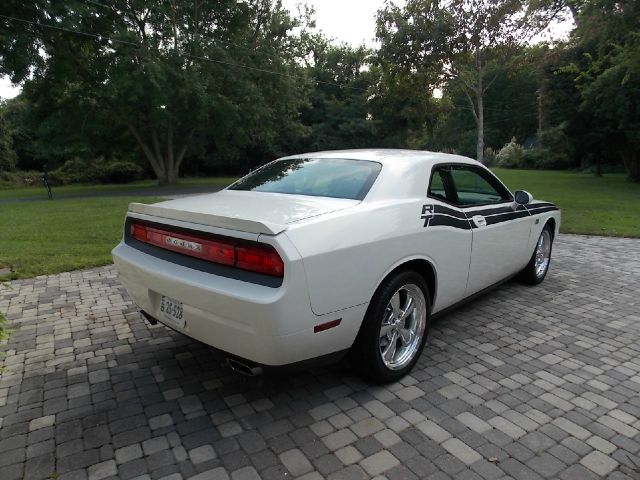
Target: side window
<point>436,188</point>
<point>474,186</point>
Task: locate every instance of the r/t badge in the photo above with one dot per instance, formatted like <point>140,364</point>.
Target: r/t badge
<point>427,214</point>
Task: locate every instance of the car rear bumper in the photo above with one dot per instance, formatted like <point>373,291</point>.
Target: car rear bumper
<point>268,326</point>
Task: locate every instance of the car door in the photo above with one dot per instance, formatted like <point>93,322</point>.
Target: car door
<point>500,227</point>
<point>447,239</point>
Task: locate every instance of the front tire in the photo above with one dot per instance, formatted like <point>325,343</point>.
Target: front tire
<point>537,268</point>
<point>394,329</point>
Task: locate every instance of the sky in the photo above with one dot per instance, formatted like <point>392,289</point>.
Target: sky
<point>350,21</point>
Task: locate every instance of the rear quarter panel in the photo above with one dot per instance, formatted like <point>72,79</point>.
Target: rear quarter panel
<point>346,255</point>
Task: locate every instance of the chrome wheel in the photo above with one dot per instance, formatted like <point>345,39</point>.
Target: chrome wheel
<point>403,326</point>
<point>543,253</point>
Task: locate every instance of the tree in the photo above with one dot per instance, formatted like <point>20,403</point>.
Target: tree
<point>337,113</point>
<point>610,85</point>
<point>458,41</point>
<point>7,153</point>
<point>176,76</point>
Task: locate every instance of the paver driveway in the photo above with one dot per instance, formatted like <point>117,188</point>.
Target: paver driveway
<point>525,382</point>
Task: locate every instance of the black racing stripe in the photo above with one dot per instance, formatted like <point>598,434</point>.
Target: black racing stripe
<point>496,210</point>
<point>445,221</point>
<point>540,205</point>
<point>505,217</point>
<point>449,211</point>
<point>538,211</point>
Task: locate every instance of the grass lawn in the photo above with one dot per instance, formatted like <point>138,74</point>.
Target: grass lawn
<point>38,191</point>
<point>44,237</point>
<point>607,205</point>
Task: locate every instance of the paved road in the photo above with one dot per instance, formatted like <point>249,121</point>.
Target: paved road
<point>525,383</point>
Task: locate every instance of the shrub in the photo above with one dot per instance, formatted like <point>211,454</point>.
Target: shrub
<point>7,163</point>
<point>95,171</point>
<point>558,147</point>
<point>20,178</point>
<point>546,159</point>
<point>511,155</point>
<point>489,157</point>
<point>122,172</point>
<point>77,171</point>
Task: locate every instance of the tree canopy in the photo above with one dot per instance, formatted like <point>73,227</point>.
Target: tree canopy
<point>221,87</point>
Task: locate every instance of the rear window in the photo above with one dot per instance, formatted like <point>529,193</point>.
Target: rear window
<point>318,177</point>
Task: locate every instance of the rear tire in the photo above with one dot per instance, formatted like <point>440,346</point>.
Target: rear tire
<point>395,328</point>
<point>537,268</point>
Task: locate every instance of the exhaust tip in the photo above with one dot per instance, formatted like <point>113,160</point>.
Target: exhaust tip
<point>149,318</point>
<point>243,369</point>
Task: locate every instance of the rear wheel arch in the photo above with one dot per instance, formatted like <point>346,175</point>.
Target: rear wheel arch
<point>421,266</point>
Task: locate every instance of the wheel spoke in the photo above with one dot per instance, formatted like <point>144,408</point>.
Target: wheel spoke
<point>408,309</point>
<point>390,350</point>
<point>394,303</point>
<point>406,335</point>
<point>385,329</point>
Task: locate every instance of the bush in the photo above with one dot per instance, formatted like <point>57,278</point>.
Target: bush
<point>19,178</point>
<point>489,157</point>
<point>77,171</point>
<point>95,171</point>
<point>511,155</point>
<point>122,172</point>
<point>546,159</point>
<point>7,163</point>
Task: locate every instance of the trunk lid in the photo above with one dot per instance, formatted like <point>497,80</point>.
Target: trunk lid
<point>246,211</point>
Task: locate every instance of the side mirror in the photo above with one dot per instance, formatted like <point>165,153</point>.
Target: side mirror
<point>523,197</point>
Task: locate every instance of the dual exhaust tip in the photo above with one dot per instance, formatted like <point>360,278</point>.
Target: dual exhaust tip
<point>242,368</point>
<point>235,364</point>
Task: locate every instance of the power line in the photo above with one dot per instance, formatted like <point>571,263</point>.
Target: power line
<point>193,57</point>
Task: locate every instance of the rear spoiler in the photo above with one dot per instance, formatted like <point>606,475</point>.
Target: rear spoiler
<point>232,223</point>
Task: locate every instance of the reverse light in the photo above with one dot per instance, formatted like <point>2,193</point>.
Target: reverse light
<point>258,258</point>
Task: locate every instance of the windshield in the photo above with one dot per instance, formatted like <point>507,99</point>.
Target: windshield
<point>319,177</point>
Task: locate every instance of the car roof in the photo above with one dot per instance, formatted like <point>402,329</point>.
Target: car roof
<point>390,156</point>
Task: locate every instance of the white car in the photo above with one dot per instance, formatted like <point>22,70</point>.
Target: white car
<point>312,256</point>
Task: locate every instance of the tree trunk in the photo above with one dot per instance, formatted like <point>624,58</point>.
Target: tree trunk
<point>480,124</point>
<point>166,166</point>
<point>632,164</point>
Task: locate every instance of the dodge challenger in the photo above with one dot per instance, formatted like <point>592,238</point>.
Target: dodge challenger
<point>314,256</point>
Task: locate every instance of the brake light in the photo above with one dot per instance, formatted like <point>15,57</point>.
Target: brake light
<point>258,258</point>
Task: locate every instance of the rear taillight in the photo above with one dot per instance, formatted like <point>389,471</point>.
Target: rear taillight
<point>259,258</point>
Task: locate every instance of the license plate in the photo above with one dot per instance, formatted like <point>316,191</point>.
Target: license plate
<point>172,310</point>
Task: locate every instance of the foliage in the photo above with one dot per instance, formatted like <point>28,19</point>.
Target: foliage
<point>95,171</point>
<point>458,43</point>
<point>7,153</point>
<point>20,178</point>
<point>511,155</point>
<point>176,78</point>
<point>336,115</point>
<point>222,87</point>
<point>122,172</point>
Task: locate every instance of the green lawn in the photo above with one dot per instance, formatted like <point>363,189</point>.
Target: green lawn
<point>7,193</point>
<point>608,205</point>
<point>44,237</point>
